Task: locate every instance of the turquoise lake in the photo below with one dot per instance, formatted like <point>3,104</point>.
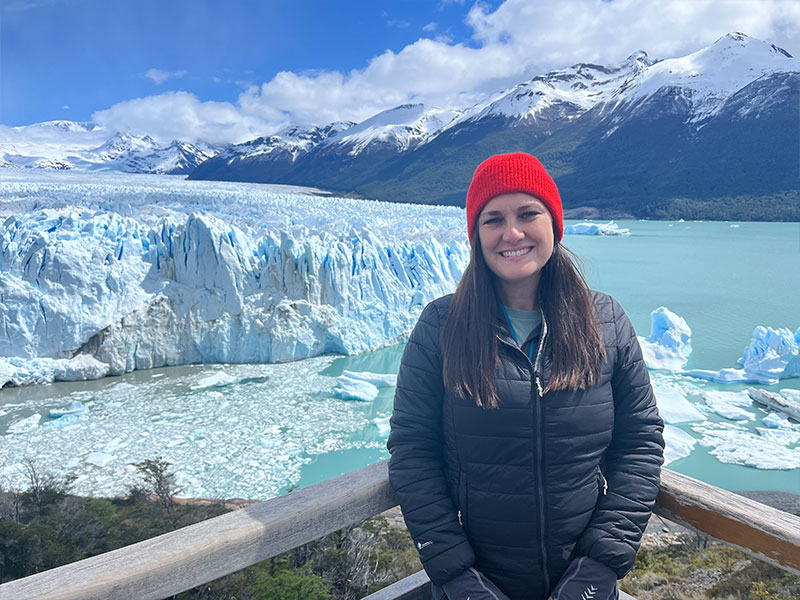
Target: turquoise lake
<point>279,426</point>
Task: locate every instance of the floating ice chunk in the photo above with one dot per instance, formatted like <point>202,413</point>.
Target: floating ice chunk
<point>778,420</point>
<point>64,421</point>
<point>679,444</point>
<point>353,389</point>
<point>25,425</point>
<point>609,228</point>
<point>779,402</point>
<point>76,407</point>
<point>268,443</point>
<point>670,341</point>
<point>99,459</point>
<point>382,423</point>
<point>114,445</point>
<point>773,354</point>
<point>376,379</point>
<point>215,379</point>
<point>721,376</point>
<point>122,385</point>
<point>673,405</point>
<point>729,405</point>
<point>734,445</point>
<point>780,436</point>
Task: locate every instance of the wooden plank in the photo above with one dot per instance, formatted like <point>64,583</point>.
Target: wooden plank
<point>182,559</point>
<point>200,553</point>
<point>761,531</point>
<point>413,587</point>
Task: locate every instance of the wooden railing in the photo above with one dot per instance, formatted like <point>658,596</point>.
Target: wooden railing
<point>183,559</point>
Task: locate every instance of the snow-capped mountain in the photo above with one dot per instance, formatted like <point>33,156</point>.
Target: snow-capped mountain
<point>86,146</point>
<point>401,128</point>
<point>566,92</point>
<point>627,139</point>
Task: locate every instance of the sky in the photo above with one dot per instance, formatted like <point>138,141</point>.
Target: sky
<point>226,72</point>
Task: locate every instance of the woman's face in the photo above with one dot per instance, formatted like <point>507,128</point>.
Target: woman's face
<point>516,235</point>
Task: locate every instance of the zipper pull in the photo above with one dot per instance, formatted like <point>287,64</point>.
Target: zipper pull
<point>458,514</point>
<point>539,386</point>
<point>605,484</point>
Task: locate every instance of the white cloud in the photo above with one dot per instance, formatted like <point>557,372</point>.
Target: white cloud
<point>66,107</point>
<point>430,27</point>
<point>180,115</point>
<point>519,39</point>
<point>158,76</point>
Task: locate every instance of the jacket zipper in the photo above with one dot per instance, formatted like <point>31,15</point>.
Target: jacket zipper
<point>462,497</point>
<point>603,481</point>
<point>540,453</point>
<point>539,442</point>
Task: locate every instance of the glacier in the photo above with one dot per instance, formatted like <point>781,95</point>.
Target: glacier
<point>670,341</point>
<point>772,355</point>
<point>105,274</point>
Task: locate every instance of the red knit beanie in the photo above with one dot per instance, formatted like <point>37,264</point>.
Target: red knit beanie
<point>508,173</point>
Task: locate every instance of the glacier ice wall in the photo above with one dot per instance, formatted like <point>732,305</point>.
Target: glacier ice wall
<point>146,271</point>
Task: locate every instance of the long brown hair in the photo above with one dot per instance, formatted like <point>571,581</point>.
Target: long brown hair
<point>469,337</point>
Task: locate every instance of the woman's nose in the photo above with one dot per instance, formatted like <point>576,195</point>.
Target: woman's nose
<point>512,233</point>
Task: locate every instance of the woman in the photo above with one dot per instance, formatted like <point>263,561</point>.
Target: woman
<point>526,443</point>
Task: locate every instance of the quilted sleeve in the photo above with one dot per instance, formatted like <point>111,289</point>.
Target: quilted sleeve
<point>415,467</point>
<point>633,459</point>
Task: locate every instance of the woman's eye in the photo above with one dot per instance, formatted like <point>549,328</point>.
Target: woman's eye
<point>491,221</point>
<point>529,214</point>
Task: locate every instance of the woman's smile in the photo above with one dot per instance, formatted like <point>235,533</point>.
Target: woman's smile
<point>516,253</point>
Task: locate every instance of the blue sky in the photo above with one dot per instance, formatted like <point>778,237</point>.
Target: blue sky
<point>226,71</point>
<point>90,54</point>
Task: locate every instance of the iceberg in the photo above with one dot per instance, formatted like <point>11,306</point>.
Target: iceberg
<point>678,444</point>
<point>772,355</point>
<point>104,275</point>
<point>382,423</point>
<point>354,389</point>
<point>609,228</point>
<point>673,405</point>
<point>376,379</point>
<point>670,341</point>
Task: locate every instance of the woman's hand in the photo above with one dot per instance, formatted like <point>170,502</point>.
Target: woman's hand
<point>472,585</point>
<point>586,578</point>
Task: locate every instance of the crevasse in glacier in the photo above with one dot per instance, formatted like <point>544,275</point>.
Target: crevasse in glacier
<point>104,275</point>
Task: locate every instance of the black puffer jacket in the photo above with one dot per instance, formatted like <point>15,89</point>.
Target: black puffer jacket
<point>519,491</point>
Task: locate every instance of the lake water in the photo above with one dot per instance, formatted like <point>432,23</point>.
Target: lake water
<point>273,426</point>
